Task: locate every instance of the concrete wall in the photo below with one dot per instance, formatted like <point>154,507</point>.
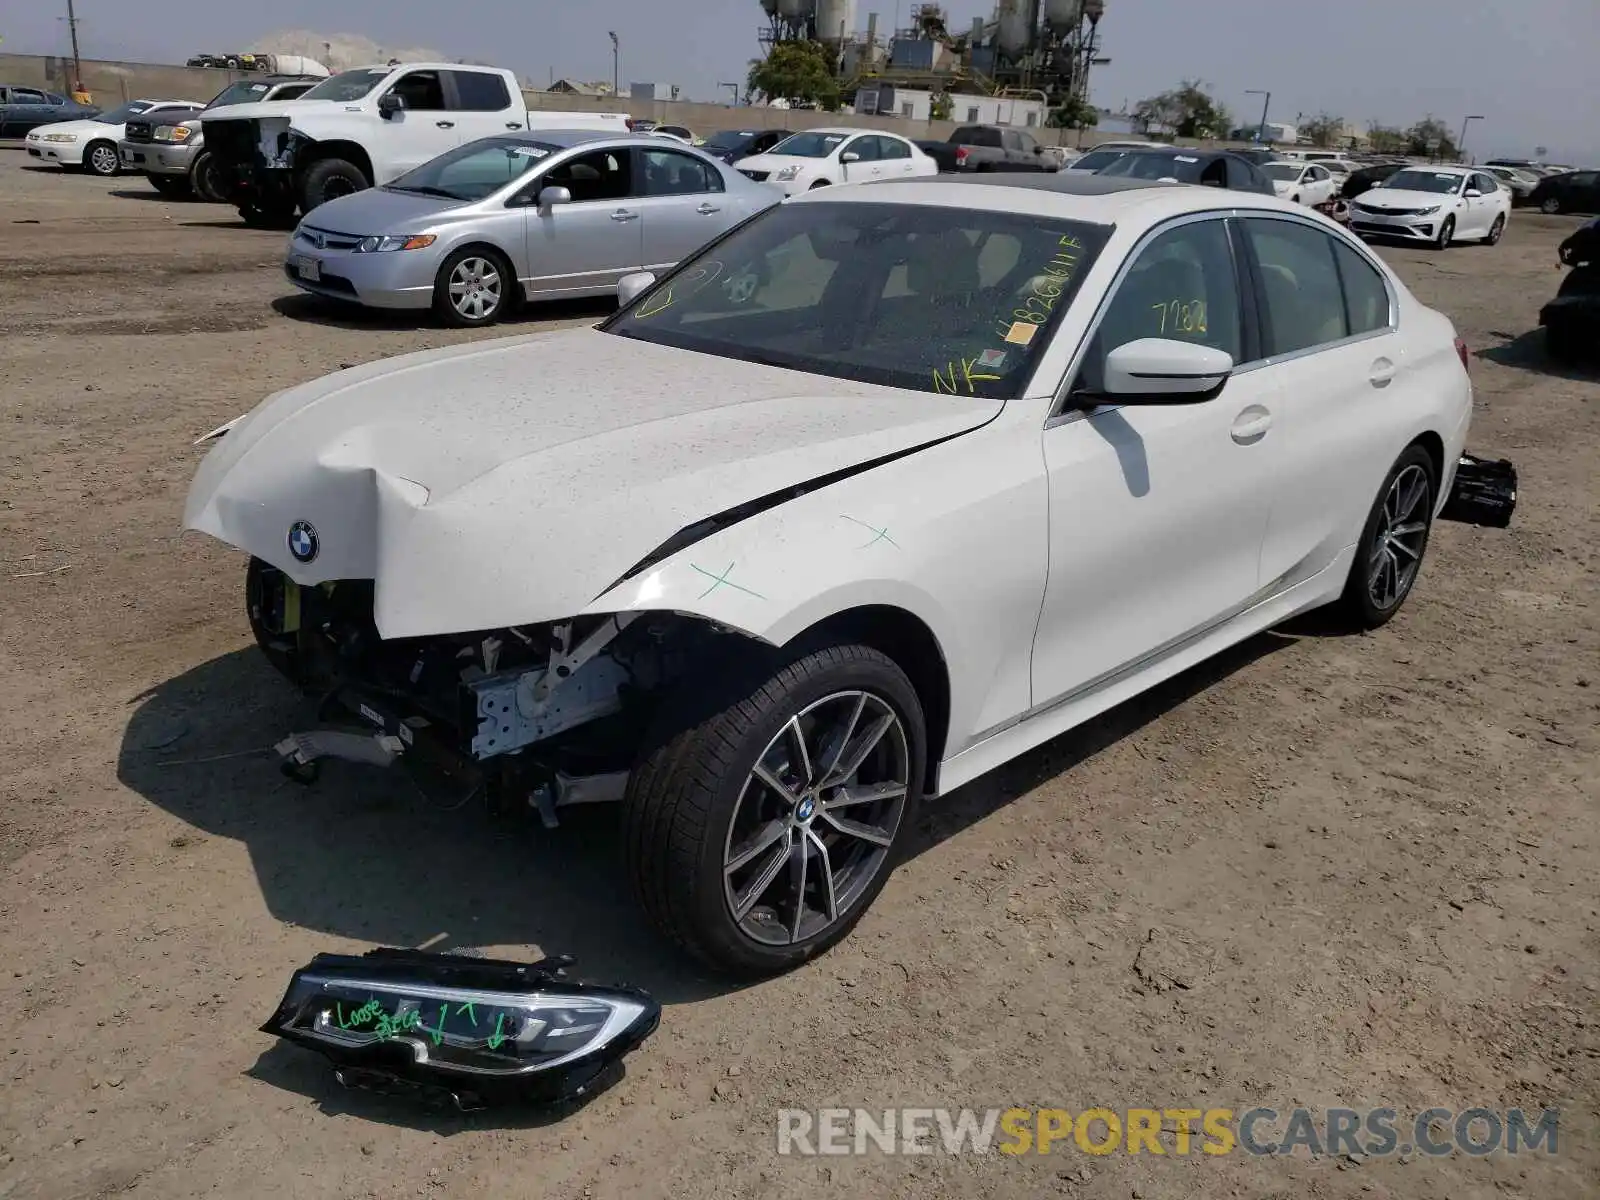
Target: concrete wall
<point>113,82</point>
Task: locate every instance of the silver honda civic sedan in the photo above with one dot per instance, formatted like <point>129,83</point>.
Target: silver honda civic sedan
<point>540,215</point>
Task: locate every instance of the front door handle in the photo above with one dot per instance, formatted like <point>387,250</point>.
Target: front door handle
<point>1382,373</point>
<point>512,125</point>
<point>623,214</point>
<point>1251,425</point>
<point>707,209</point>
<point>445,124</point>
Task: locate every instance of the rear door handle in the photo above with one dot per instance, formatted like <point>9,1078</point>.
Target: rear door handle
<point>1251,425</point>
<point>623,214</point>
<point>512,125</point>
<point>707,209</point>
<point>1382,373</point>
<point>445,124</point>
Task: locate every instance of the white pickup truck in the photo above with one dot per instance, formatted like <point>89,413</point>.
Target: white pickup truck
<point>365,127</point>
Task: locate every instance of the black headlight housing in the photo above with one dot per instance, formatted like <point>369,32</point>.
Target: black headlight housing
<point>476,1031</point>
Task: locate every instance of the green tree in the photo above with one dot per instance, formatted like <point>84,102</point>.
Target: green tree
<point>799,72</point>
<point>941,106</point>
<point>1386,140</point>
<point>1430,130</point>
<point>1187,111</point>
<point>1076,113</point>
<point>1324,129</point>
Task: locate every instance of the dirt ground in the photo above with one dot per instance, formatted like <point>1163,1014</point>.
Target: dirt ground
<point>1376,857</point>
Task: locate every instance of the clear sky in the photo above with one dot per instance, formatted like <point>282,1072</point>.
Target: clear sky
<point>1527,66</point>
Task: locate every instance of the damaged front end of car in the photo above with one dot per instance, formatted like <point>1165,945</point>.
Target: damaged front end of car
<point>254,159</point>
<point>542,716</point>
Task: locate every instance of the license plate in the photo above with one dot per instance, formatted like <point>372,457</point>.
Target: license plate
<point>309,269</point>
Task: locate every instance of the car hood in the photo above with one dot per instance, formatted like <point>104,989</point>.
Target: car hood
<point>1385,198</point>
<point>83,128</point>
<point>776,162</point>
<point>516,481</point>
<point>379,210</point>
<point>272,108</point>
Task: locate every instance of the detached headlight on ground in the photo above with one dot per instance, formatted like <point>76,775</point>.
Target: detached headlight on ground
<point>397,241</point>
<point>477,1030</point>
<point>171,133</point>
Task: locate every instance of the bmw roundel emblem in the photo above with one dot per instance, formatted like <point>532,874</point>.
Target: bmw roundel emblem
<point>805,809</point>
<point>303,543</point>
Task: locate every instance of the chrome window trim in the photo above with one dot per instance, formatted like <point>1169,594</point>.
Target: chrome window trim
<point>1057,417</point>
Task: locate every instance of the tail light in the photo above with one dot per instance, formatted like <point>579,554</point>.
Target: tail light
<point>961,155</point>
<point>1464,356</point>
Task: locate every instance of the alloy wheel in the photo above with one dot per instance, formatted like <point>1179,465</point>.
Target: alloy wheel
<point>103,160</point>
<point>1550,206</point>
<point>475,288</point>
<point>817,817</point>
<point>1397,544</point>
<point>1495,230</point>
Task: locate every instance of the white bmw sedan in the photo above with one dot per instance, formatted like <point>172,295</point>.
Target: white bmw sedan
<point>876,492</point>
<point>820,157</point>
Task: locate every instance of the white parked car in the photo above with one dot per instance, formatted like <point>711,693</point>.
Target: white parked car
<point>819,157</point>
<point>971,463</point>
<point>1438,205</point>
<point>1301,183</point>
<point>91,144</point>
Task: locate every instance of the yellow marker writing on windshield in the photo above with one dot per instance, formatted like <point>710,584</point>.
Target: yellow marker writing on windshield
<point>656,304</point>
<point>1181,316</point>
<point>966,375</point>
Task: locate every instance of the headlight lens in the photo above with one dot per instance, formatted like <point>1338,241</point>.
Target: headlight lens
<point>394,241</point>
<point>172,133</point>
<point>1427,212</point>
<point>786,173</point>
<point>472,1026</point>
<point>60,137</point>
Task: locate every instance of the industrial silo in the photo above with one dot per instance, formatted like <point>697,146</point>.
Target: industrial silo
<point>1061,16</point>
<point>836,20</point>
<point>795,10</point>
<point>1015,21</point>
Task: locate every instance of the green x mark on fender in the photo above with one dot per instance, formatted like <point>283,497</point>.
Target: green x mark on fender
<point>723,581</point>
<point>883,534</point>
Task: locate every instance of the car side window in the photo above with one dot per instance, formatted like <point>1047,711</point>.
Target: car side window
<point>292,91</point>
<point>1366,298</point>
<point>23,96</point>
<point>1487,185</point>
<point>670,173</point>
<point>479,91</point>
<point>598,175</point>
<point>422,91</point>
<point>866,147</point>
<point>889,147</point>
<point>1182,286</point>
<point>767,141</point>
<point>1303,303</point>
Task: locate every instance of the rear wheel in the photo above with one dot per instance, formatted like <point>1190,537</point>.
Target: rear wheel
<point>1496,231</point>
<point>1393,541</point>
<point>1550,205</point>
<point>100,158</point>
<point>765,817</point>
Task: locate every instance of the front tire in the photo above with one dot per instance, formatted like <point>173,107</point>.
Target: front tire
<point>766,816</point>
<point>474,287</point>
<point>328,179</point>
<point>101,158</point>
<point>1550,205</point>
<point>203,179</point>
<point>171,187</point>
<point>1447,233</point>
<point>1393,542</point>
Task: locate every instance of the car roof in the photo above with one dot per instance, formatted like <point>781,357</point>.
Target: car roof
<point>1091,198</point>
<point>567,138</point>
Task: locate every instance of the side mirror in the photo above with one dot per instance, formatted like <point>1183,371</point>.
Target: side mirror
<point>849,156</point>
<point>389,104</point>
<point>1472,193</point>
<point>550,196</point>
<point>1164,371</point>
<point>633,285</point>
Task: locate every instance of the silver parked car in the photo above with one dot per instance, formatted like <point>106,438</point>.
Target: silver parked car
<point>539,215</point>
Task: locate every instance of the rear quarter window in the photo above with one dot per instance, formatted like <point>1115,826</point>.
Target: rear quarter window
<point>479,91</point>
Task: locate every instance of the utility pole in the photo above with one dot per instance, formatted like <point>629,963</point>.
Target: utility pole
<point>1266,104</point>
<point>616,73</point>
<point>734,88</point>
<point>72,31</point>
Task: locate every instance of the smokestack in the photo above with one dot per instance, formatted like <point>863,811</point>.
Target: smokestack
<point>977,31</point>
<point>872,34</point>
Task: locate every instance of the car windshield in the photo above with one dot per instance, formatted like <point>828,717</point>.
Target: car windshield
<point>1183,167</point>
<point>730,139</point>
<point>809,145</point>
<point>1285,171</point>
<point>1097,160</point>
<point>475,170</point>
<point>243,92</point>
<point>948,300</point>
<point>348,85</point>
<point>123,113</point>
<point>1442,182</point>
